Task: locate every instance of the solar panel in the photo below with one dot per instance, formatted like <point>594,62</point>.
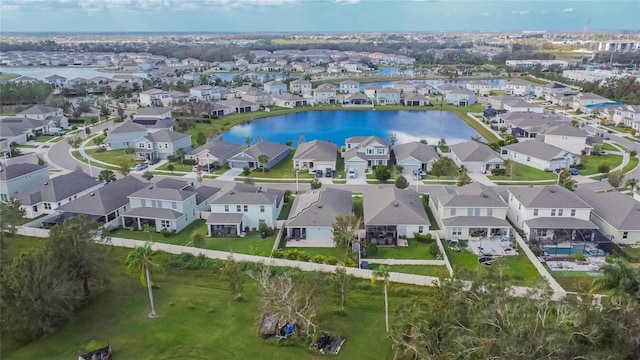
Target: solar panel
<point>145,122</point>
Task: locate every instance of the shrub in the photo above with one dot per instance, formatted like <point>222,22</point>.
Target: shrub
<point>277,253</point>
<point>536,250</point>
<point>499,172</point>
<point>633,153</point>
<point>319,259</point>
<point>434,250</point>
<point>578,256</point>
<point>189,161</point>
<point>206,121</point>
<point>424,239</point>
<point>348,262</point>
<point>118,120</point>
<point>165,232</point>
<point>371,249</point>
<point>291,254</point>
<point>264,228</point>
<point>331,260</point>
<point>246,171</point>
<point>609,259</point>
<point>74,127</point>
<point>604,168</point>
<point>303,256</point>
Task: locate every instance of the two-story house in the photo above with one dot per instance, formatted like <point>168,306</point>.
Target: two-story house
<point>243,207</point>
<point>518,87</point>
<point>629,115</point>
<point>258,96</point>
<point>461,97</point>
<point>616,214</point>
<point>567,137</point>
<point>56,80</point>
<point>206,92</point>
<point>125,135</point>
<point>275,87</point>
<point>387,96</point>
<point>301,87</point>
<point>481,88</point>
<point>313,214</point>
<point>473,211</point>
<point>363,153</point>
<point>49,115</point>
<point>17,177</point>
<point>161,208</point>
<point>161,144</point>
<point>324,94</point>
<point>288,100</point>
<point>349,87</point>
<point>155,97</point>
<point>583,99</point>
<point>547,91</point>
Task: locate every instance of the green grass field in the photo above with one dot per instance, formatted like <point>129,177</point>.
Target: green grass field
<point>632,164</point>
<point>609,147</point>
<point>524,172</point>
<point>112,157</point>
<point>591,163</point>
<point>282,170</point>
<point>574,280</point>
<point>415,251</point>
<point>426,270</point>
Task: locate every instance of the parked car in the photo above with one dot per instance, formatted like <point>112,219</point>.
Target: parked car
<point>351,173</point>
<point>574,171</point>
<point>153,161</point>
<point>328,172</point>
<point>141,167</point>
<point>318,173</point>
<point>205,168</point>
<point>417,175</point>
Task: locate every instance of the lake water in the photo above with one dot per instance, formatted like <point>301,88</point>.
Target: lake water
<point>338,125</point>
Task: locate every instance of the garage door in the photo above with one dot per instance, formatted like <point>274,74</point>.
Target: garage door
<point>359,168</point>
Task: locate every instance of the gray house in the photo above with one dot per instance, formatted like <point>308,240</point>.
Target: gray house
<point>161,144</point>
<point>616,214</point>
<point>162,208</point>
<point>315,154</point>
<point>215,151</point>
<point>125,136</point>
<point>249,157</point>
<point>415,156</point>
<point>20,177</point>
<point>475,157</point>
<point>313,214</point>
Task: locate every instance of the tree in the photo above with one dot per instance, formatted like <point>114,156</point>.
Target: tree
<point>393,139</point>
<point>464,178</point>
<point>341,284</point>
<point>444,166</point>
<point>201,139</point>
<point>619,277</point>
<point>171,167</point>
<point>315,184</point>
<point>104,111</point>
<point>124,167</point>
<point>596,150</point>
<point>147,175</point>
<point>75,245</point>
<point>98,140</point>
<point>141,259</point>
<point>345,230</point>
<point>383,273</point>
<point>232,272</point>
<point>509,168</point>
<point>74,142</point>
<point>35,296</point>
<point>442,142</point>
<point>604,168</point>
<point>631,184</point>
<point>107,176</point>
<point>248,141</point>
<point>246,171</point>
<point>382,173</point>
<point>424,141</point>
<point>615,178</point>
<point>41,161</point>
<point>181,152</point>
<point>11,213</point>
<point>263,159</point>
<point>14,149</point>
<point>401,182</point>
<point>566,180</point>
<point>120,112</point>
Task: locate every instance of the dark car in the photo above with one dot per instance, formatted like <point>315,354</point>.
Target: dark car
<point>319,173</point>
<point>328,172</point>
<point>153,161</point>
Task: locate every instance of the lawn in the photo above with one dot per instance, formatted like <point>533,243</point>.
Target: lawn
<point>176,167</point>
<point>426,270</point>
<point>524,172</point>
<point>114,157</point>
<point>591,163</point>
<point>282,170</point>
<point>8,76</point>
<point>357,206</point>
<point>633,163</point>
<point>44,138</point>
<point>415,251</point>
<point>574,280</point>
<point>518,268</point>
<point>76,154</point>
<point>198,319</point>
<point>609,147</point>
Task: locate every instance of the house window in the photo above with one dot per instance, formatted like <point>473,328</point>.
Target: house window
<point>174,205</point>
<point>489,212</point>
<point>261,208</point>
<point>47,206</point>
<point>380,151</point>
<point>420,229</point>
<point>246,208</point>
<point>226,208</point>
<point>166,146</point>
<point>238,208</point>
<point>535,212</point>
<point>560,212</point>
<point>553,212</point>
<point>476,212</point>
<point>573,212</point>
<point>148,146</point>
<point>165,224</point>
<point>153,203</point>
<point>625,234</point>
<point>456,231</point>
<point>469,212</point>
<point>143,202</point>
<point>34,208</point>
<point>453,211</point>
<point>141,145</point>
<point>369,151</point>
<point>528,158</point>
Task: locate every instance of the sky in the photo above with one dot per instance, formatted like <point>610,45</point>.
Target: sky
<point>315,15</point>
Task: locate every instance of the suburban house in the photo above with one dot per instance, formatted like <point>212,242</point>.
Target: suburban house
<point>315,155</point>
<point>300,86</point>
<point>475,156</point>
<point>527,126</point>
<point>275,87</point>
<point>20,177</point>
<point>371,89</point>
<point>258,96</point>
<point>386,96</point>
<point>55,192</point>
<point>522,106</point>
<point>473,211</point>
<point>243,207</point>
<point>461,97</point>
<point>548,90</point>
<point>154,124</point>
<point>540,155</point>
<point>550,214</point>
<point>391,213</point>
<point>497,101</point>
<point>239,105</point>
<point>583,99</point>
<point>404,86</point>
<point>50,116</point>
<point>250,157</point>
<point>206,92</point>
<point>414,156</point>
<point>356,99</point>
<point>155,112</point>
<point>218,109</point>
<point>365,152</point>
<point>481,88</point>
<point>155,97</point>
<point>518,87</point>
<point>125,135</point>
<point>566,137</point>
<point>616,214</point>
<point>324,94</point>
<point>161,208</point>
<point>56,80</point>
<point>20,130</point>
<point>215,152</point>
<point>161,144</point>
<point>313,214</point>
<point>629,115</point>
<point>416,100</point>
<point>289,100</point>
<point>349,87</point>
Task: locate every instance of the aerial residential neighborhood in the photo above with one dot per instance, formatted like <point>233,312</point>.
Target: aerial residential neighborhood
<point>287,191</point>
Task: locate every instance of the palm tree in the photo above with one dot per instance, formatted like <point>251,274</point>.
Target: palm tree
<point>141,259</point>
<point>631,184</point>
<point>181,153</point>
<point>263,159</point>
<point>171,167</point>
<point>107,176</point>
<point>619,277</point>
<point>197,240</point>
<point>383,273</point>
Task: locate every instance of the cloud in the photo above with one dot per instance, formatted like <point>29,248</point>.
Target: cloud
<point>567,10</point>
<point>520,12</point>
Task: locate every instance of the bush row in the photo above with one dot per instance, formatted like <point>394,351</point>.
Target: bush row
<point>295,254</point>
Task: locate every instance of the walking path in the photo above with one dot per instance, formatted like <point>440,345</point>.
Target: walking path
<point>406,262</point>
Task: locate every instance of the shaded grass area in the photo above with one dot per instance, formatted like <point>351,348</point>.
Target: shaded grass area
<point>574,280</point>
<point>524,172</point>
<point>591,163</point>
<point>426,270</point>
<point>415,251</point>
<point>282,170</point>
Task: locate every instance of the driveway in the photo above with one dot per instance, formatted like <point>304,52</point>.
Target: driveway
<point>360,179</point>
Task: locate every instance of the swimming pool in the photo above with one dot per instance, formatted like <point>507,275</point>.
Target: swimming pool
<point>568,251</point>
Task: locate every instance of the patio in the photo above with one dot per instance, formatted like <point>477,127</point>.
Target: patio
<point>494,246</point>
<point>591,264</point>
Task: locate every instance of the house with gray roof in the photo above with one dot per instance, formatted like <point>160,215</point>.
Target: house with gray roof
<point>357,99</point>
<point>51,116</point>
<point>416,100</point>
<point>325,94</point>
<point>154,124</point>
<point>414,156</point>
<point>540,155</point>
<point>363,153</point>
<point>386,96</point>
<point>275,87</point>
<point>161,208</point>
<point>315,155</point>
<point>550,215</point>
<point>55,192</point>
<point>617,215</point>
<point>153,112</point>
<point>250,157</point>
<point>161,144</point>
<point>566,137</point>
<point>20,130</point>
<point>243,206</point>
<point>518,87</point>
<point>391,213</point>
<point>238,105</point>
<point>288,100</point>
<point>473,211</point>
<point>475,156</point>
<point>18,177</point>
<point>313,214</point>
<point>125,135</point>
<point>371,89</point>
<point>216,151</point>
<point>349,87</point>
<point>460,97</point>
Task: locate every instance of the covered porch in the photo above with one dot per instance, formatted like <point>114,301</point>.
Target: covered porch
<point>564,236</point>
<point>382,234</point>
<point>145,154</point>
<point>477,228</point>
<point>224,225</point>
<point>158,218</point>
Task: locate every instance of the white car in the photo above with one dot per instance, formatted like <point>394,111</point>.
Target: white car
<point>351,173</point>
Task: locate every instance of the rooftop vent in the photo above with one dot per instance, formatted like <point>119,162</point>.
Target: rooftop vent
<point>150,186</point>
<point>92,194</point>
<point>552,190</point>
<point>320,206</point>
<point>46,183</point>
<point>396,204</point>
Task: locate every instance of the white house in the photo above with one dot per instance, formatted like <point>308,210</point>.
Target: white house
<point>371,89</point>
<point>365,152</point>
<point>415,156</point>
<point>49,115</point>
<point>349,87</point>
<point>315,155</point>
<point>155,97</point>
<point>567,137</point>
<point>275,87</point>
<point>324,94</point>
<point>461,96</point>
<point>300,86</point>
<point>161,145</point>
<point>481,88</point>
<point>475,156</point>
<point>289,100</point>
<point>616,214</point>
<point>518,87</point>
<point>388,96</point>
<point>162,208</point>
<point>205,92</point>
<point>313,214</point>
<point>540,155</point>
<point>20,177</point>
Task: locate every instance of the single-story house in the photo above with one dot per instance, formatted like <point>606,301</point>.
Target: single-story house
<point>315,155</point>
<point>216,151</point>
<point>250,157</point>
<point>540,155</point>
<point>415,156</point>
<point>313,213</point>
<point>475,156</point>
<point>616,214</point>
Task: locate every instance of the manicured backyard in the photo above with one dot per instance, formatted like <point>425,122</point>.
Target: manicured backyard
<point>575,280</point>
<point>414,251</point>
<point>114,157</point>
<point>282,170</point>
<point>524,172</point>
<point>591,163</point>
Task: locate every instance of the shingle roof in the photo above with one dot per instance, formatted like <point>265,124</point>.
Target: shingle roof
<point>473,151</point>
<point>419,151</point>
<point>565,130</point>
<point>317,150</point>
<point>171,183</point>
<point>549,196</point>
<point>560,222</point>
<point>59,188</point>
<point>205,192</point>
<point>474,194</point>
<point>225,218</point>
<point>320,207</point>
<point>154,213</point>
<point>475,221</point>
<point>12,171</point>
<point>106,199</point>
<point>219,148</point>
<point>393,206</point>
<point>248,194</point>
<point>151,111</point>
<point>128,126</point>
<point>154,123</point>
<point>38,110</point>
<point>268,148</point>
<point>618,210</point>
<point>537,149</point>
<point>166,136</point>
<point>156,193</point>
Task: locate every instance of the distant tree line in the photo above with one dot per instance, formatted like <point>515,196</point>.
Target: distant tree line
<point>21,93</point>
